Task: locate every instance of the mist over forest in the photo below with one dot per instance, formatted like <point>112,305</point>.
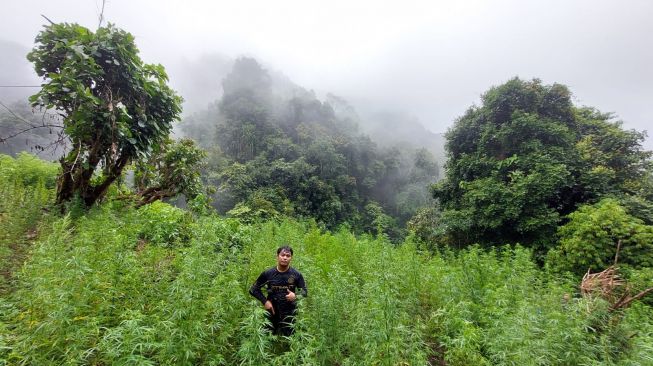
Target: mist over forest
<point>199,81</point>
<point>274,143</point>
<point>149,175</point>
<point>388,157</point>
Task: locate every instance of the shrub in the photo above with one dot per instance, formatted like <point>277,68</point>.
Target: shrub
<point>165,225</point>
<point>28,169</point>
<point>24,200</point>
<point>589,240</point>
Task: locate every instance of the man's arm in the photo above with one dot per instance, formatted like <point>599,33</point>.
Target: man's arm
<point>255,290</point>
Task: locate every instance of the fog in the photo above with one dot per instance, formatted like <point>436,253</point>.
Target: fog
<point>424,59</point>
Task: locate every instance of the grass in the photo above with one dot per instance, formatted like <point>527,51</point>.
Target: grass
<point>159,286</point>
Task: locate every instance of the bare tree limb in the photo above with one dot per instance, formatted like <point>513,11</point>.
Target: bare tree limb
<point>46,18</point>
<point>101,14</point>
<point>626,300</point>
<point>17,116</point>
<point>4,139</point>
<point>32,125</point>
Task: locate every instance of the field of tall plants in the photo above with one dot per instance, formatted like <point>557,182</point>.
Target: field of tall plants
<point>160,285</point>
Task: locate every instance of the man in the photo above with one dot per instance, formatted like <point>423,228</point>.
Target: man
<point>282,283</point>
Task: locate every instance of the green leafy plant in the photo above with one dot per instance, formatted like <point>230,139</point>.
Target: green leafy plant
<point>173,168</point>
<point>165,225</point>
<point>158,285</point>
<point>590,239</point>
<point>115,108</point>
<point>527,157</point>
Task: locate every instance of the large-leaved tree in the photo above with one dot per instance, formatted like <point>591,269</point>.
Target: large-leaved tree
<point>526,158</point>
<point>115,108</point>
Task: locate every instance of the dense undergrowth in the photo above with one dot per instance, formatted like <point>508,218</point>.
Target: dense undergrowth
<point>26,189</point>
<point>159,285</point>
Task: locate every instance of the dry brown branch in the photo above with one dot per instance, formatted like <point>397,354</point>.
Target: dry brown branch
<point>604,283</point>
<point>609,285</point>
<point>626,300</point>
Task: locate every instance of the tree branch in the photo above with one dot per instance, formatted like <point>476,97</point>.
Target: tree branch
<point>32,126</point>
<point>46,18</point>
<point>625,300</point>
<point>15,115</point>
<point>101,14</point>
<point>4,139</point>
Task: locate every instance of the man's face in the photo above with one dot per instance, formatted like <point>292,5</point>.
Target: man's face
<point>283,258</point>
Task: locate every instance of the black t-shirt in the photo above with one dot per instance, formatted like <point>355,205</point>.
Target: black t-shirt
<point>277,285</point>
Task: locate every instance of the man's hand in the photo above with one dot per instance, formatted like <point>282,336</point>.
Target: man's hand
<point>269,307</point>
<point>290,296</point>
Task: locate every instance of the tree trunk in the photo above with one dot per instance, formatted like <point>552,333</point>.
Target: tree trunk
<point>152,194</point>
<point>76,176</point>
<point>114,171</point>
<point>65,183</point>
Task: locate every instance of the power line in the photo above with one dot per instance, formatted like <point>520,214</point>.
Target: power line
<point>20,86</point>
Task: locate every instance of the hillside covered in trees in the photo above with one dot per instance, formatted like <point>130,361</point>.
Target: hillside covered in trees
<point>276,149</point>
<point>535,247</point>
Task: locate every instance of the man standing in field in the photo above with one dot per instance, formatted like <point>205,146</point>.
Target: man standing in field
<point>282,283</point>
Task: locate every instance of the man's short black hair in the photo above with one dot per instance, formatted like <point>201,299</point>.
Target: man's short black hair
<point>285,248</point>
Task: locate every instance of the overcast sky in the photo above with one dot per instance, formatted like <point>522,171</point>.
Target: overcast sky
<point>431,59</point>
